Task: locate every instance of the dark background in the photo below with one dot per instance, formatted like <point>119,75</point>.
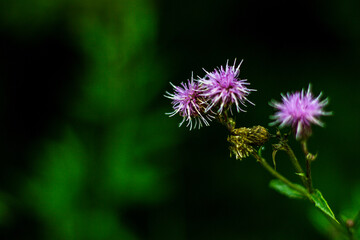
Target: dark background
<point>87,151</point>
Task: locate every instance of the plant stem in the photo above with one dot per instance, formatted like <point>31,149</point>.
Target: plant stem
<point>308,175</point>
<point>308,159</point>
<point>227,121</point>
<point>296,164</point>
<point>273,172</point>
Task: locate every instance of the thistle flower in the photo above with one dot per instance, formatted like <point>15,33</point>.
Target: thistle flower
<point>189,104</point>
<point>299,110</point>
<point>223,88</point>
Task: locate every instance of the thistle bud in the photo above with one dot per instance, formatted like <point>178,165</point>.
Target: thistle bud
<point>243,140</point>
<point>258,135</point>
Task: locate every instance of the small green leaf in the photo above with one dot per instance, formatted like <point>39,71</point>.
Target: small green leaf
<point>301,174</point>
<point>273,158</point>
<point>321,203</point>
<point>284,189</point>
<point>260,150</point>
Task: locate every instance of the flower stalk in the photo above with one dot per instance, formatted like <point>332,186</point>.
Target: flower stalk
<point>308,159</point>
<point>276,174</point>
<point>285,147</point>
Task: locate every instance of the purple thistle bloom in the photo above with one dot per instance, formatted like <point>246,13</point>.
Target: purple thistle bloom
<point>189,104</point>
<point>223,88</point>
<point>299,110</point>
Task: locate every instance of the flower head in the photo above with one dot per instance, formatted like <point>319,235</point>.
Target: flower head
<point>189,104</point>
<point>243,140</point>
<point>223,88</point>
<point>299,110</point>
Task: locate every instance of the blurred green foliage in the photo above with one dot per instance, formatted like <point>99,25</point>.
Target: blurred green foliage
<point>101,162</point>
<point>88,152</point>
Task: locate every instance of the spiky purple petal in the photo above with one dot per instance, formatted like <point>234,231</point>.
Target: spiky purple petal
<point>299,110</point>
<point>222,88</point>
<point>188,103</point>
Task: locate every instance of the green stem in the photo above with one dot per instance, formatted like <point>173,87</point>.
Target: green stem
<point>308,160</point>
<point>295,163</point>
<point>305,193</point>
<point>273,172</point>
<point>227,121</point>
<point>308,175</point>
